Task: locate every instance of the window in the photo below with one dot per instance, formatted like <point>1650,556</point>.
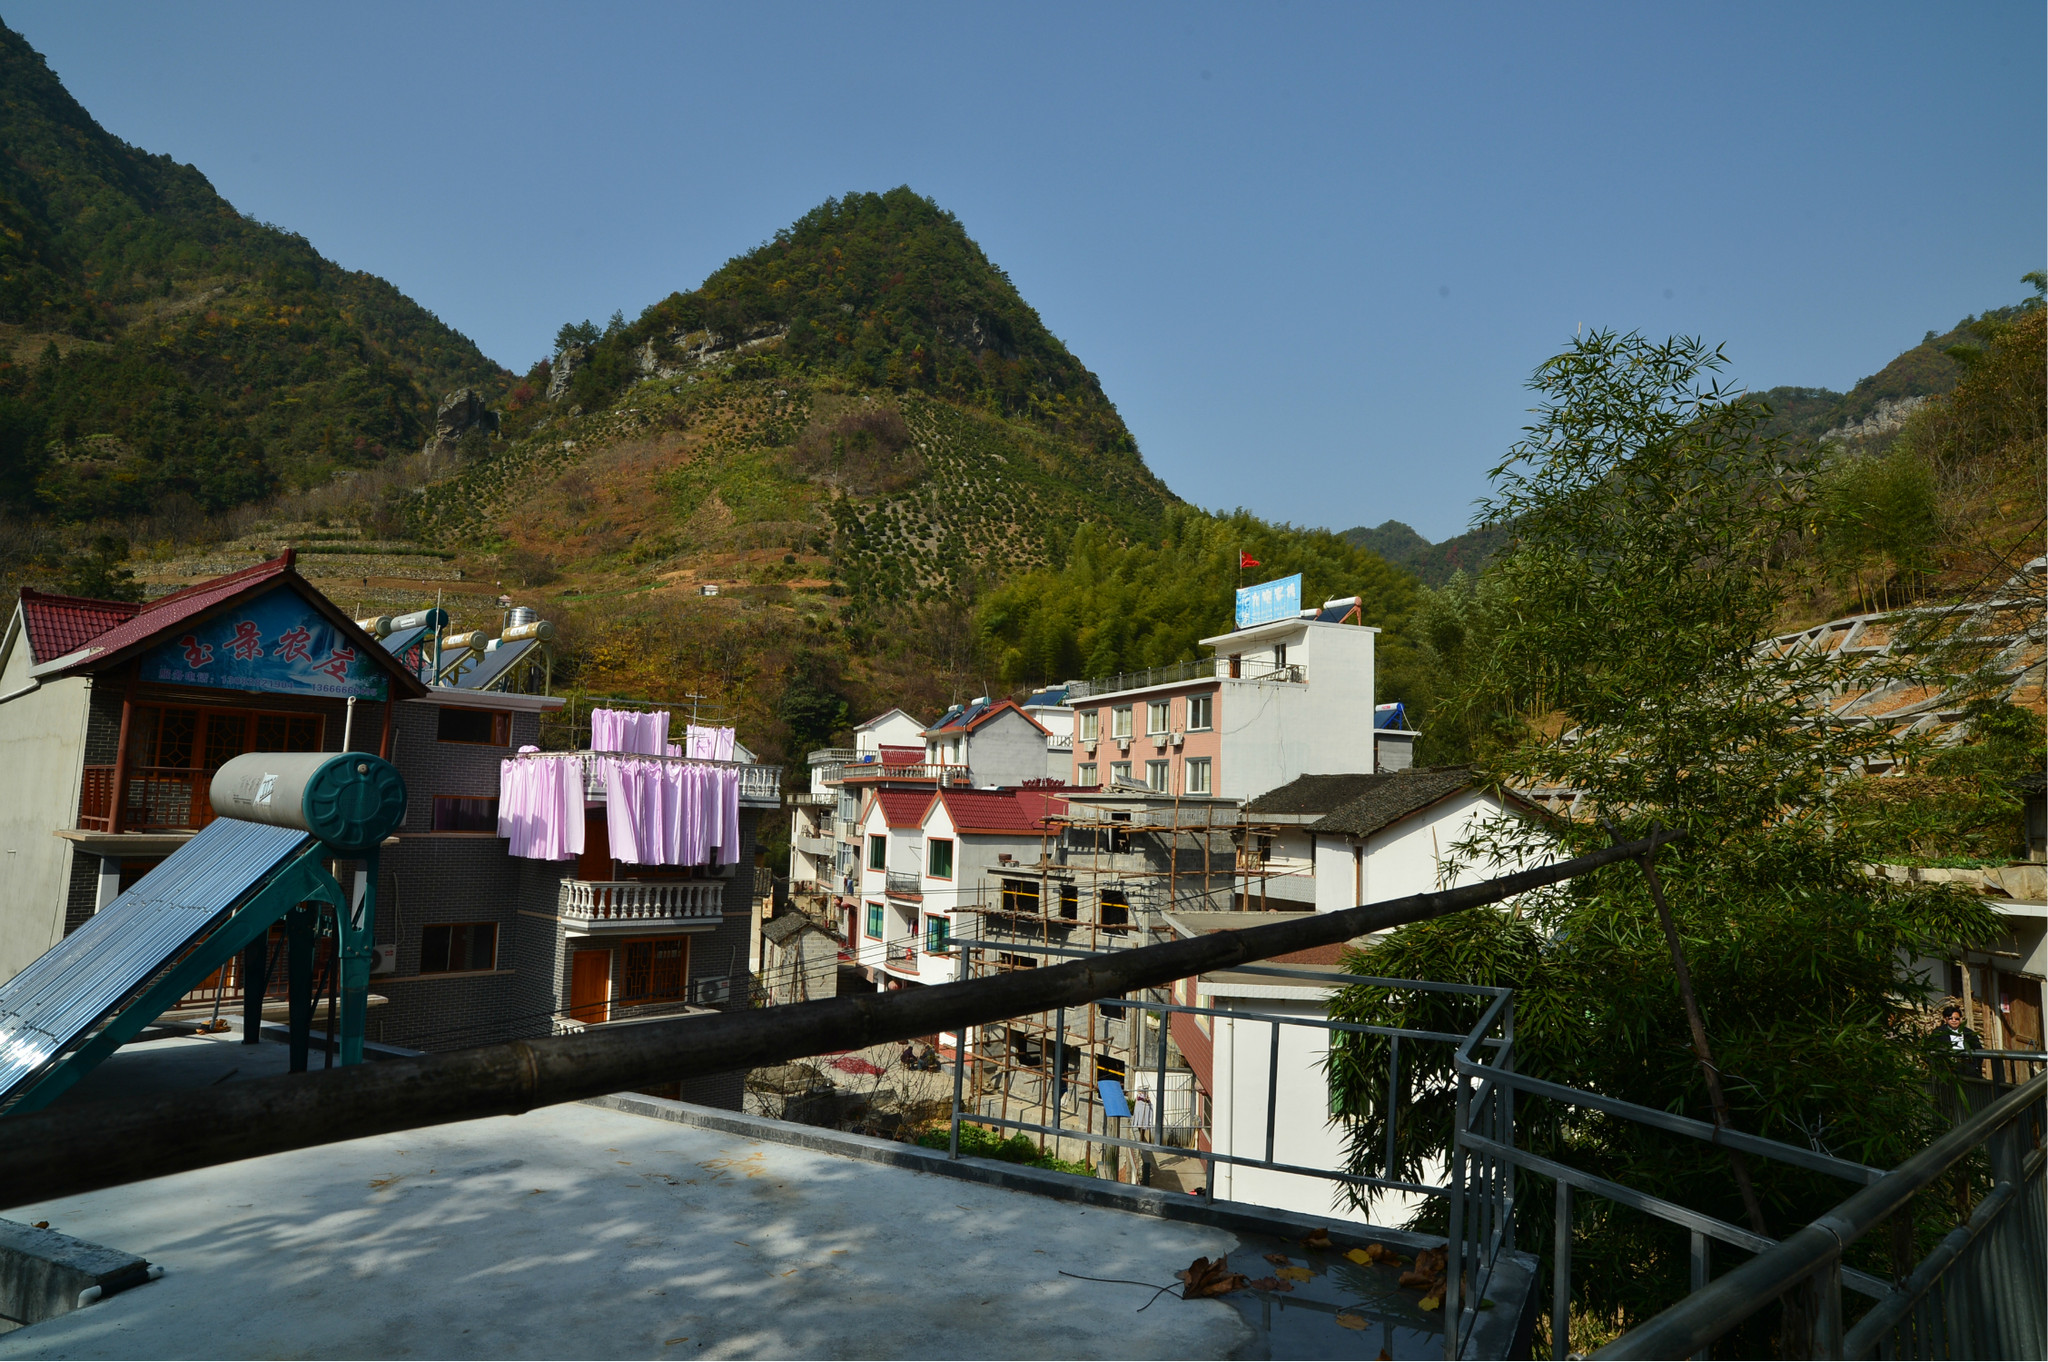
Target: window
<point>1070,902</point>
<point>1020,896</point>
<point>938,935</point>
<point>489,727</point>
<point>1279,656</point>
<point>938,858</point>
<point>1091,724</point>
<point>1085,774</point>
<point>458,947</point>
<point>1116,908</point>
<point>1119,771</point>
<point>1156,714</point>
<point>1195,776</point>
<point>466,813</point>
<point>1236,665</point>
<point>875,918</point>
<point>1120,722</point>
<point>654,970</point>
<point>1155,775</point>
<point>878,852</point>
<point>1109,1067</point>
<point>1201,713</point>
<point>1005,963</point>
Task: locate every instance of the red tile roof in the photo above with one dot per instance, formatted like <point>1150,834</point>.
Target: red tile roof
<point>143,625</point>
<point>903,808</point>
<point>902,756</point>
<point>975,717</point>
<point>1001,810</point>
<point>57,625</point>
<point>169,611</point>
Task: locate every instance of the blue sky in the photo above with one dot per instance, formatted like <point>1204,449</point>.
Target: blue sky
<point>1312,251</point>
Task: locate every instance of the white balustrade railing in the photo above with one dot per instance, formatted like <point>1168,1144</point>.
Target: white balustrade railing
<point>601,901</point>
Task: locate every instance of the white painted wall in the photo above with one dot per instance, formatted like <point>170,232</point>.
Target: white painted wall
<point>1303,1132</point>
<point>1407,858</point>
<point>42,754</point>
<point>1273,731</point>
<point>894,729</point>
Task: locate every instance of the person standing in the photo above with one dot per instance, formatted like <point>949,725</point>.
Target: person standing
<point>1960,1040</point>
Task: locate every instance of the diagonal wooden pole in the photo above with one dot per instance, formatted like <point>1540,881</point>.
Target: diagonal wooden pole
<point>1699,1040</point>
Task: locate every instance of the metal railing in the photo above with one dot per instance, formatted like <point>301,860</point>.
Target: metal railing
<point>1978,1294</point>
<point>903,882</point>
<point>943,772</point>
<point>1139,680</point>
<point>637,901</point>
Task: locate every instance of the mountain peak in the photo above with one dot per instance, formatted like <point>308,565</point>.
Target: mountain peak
<point>888,291</point>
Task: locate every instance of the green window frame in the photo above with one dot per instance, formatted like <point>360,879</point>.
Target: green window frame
<point>938,935</point>
<point>938,859</point>
<point>878,851</point>
<point>875,920</point>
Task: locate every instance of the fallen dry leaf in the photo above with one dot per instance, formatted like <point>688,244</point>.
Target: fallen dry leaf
<point>1431,1302</point>
<point>1428,1272</point>
<point>1347,1320</point>
<point>1204,1278</point>
<point>1380,1253</point>
<point>1279,1258</point>
<point>1296,1274</point>
<point>1316,1239</point>
<point>1271,1284</point>
<point>1359,1256</point>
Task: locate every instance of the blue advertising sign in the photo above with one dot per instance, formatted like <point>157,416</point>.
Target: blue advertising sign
<point>275,642</point>
<point>1269,601</point>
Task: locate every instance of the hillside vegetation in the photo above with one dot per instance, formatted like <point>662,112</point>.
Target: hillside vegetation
<point>159,351</point>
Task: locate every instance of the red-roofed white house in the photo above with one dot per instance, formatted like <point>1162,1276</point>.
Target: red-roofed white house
<point>928,854</point>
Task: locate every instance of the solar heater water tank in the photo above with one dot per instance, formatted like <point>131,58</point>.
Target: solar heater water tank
<point>475,639</point>
<point>421,619</point>
<point>376,626</point>
<point>350,800</point>
<point>533,628</point>
<point>520,614</point>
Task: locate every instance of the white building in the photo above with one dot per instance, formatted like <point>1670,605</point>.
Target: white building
<point>1272,702</point>
<point>1387,836</point>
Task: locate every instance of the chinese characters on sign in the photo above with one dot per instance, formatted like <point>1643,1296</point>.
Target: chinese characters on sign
<point>1268,601</point>
<point>276,642</point>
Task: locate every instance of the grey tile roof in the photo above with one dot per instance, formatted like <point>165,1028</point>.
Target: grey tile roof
<point>1384,800</point>
<point>1313,794</point>
<point>784,926</point>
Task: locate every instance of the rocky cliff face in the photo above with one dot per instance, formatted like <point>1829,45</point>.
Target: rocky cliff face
<point>1887,417</point>
<point>460,412</point>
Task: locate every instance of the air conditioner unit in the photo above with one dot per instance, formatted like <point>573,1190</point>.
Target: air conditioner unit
<point>384,959</point>
<point>1176,738</point>
<point>710,992</point>
<point>1123,746</point>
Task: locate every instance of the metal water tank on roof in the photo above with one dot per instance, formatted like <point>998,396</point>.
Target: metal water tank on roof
<point>521,614</point>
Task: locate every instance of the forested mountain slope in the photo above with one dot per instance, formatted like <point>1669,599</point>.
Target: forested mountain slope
<point>156,345</point>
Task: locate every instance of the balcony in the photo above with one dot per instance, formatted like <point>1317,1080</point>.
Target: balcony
<point>935,771</point>
<point>637,903</point>
<point>1139,680</point>
<point>817,846</point>
<point>901,958</point>
<point>904,882</point>
<point>160,799</point>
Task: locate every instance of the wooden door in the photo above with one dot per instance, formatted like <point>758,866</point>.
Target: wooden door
<point>590,986</point>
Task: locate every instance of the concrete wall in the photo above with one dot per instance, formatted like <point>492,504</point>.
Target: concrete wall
<point>42,742</point>
<point>1007,750</point>
<point>1274,731</point>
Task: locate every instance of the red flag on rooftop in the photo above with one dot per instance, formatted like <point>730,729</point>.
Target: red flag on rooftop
<point>1245,560</point>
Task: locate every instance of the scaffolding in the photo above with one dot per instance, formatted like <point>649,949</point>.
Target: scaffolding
<point>1109,872</point>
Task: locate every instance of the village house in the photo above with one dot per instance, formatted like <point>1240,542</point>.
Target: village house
<point>1271,702</point>
<point>114,717</point>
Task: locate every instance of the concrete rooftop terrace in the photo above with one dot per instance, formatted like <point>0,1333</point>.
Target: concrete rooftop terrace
<point>645,1228</point>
